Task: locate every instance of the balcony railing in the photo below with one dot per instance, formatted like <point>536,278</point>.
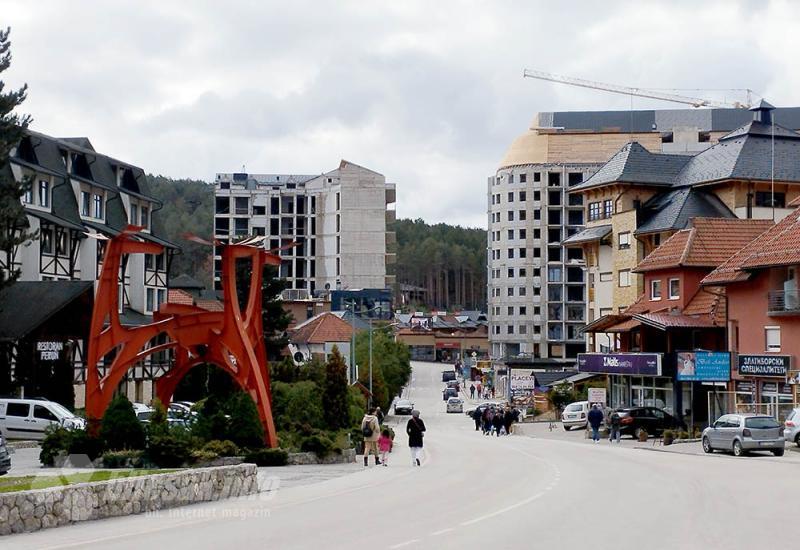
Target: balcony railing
<point>784,301</point>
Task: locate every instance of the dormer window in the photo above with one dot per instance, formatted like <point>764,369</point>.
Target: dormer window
<point>98,206</point>
<point>27,198</point>
<point>44,193</point>
<point>86,203</point>
<point>144,213</point>
<point>134,214</point>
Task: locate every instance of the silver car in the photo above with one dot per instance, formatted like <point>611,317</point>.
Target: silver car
<point>455,405</point>
<point>792,427</point>
<point>741,433</point>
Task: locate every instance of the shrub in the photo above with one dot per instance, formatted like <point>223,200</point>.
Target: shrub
<point>202,455</point>
<point>171,450</point>
<point>120,429</point>
<point>158,424</point>
<point>267,457</point>
<point>334,397</point>
<point>297,403</point>
<point>82,442</point>
<point>56,440</point>
<point>222,448</point>
<point>123,459</point>
<point>244,427</point>
<point>319,444</point>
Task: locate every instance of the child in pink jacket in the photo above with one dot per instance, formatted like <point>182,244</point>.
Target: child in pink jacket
<point>385,445</point>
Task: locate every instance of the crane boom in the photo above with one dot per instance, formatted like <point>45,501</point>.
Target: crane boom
<point>625,90</point>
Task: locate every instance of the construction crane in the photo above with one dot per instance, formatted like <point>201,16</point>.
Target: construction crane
<point>639,92</point>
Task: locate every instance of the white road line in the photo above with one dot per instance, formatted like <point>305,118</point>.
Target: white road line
<point>442,532</point>
<point>504,510</point>
<point>406,543</point>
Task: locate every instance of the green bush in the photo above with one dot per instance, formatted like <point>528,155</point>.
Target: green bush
<point>123,459</point>
<point>120,429</point>
<point>171,450</point>
<point>202,455</point>
<point>244,426</point>
<point>56,440</point>
<point>82,442</point>
<point>267,457</point>
<point>297,403</point>
<point>158,424</point>
<point>319,444</point>
<point>222,448</point>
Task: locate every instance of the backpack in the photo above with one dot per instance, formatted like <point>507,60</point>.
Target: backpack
<point>366,429</point>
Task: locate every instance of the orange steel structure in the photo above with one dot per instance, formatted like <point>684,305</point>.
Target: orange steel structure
<point>231,339</point>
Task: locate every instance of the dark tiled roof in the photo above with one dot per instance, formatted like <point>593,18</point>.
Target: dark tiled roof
<point>26,305</point>
<point>185,282</point>
<point>635,164</point>
<point>589,234</point>
<point>552,377</point>
<point>673,210</point>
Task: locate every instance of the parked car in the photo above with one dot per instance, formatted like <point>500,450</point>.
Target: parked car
<point>483,406</point>
<point>448,375</point>
<point>5,457</point>
<point>29,418</point>
<point>574,415</point>
<point>448,392</point>
<point>791,427</point>
<point>632,420</point>
<point>403,406</point>
<point>455,405</point>
<point>740,433</point>
<point>454,384</point>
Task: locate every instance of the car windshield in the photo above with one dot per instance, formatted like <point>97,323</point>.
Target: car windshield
<point>60,410</point>
<point>761,422</point>
<point>144,415</point>
<point>575,407</point>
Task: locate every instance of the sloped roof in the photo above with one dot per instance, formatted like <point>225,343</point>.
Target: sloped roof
<point>779,245</point>
<point>185,281</point>
<point>664,320</point>
<point>26,305</point>
<point>709,242</point>
<point>589,234</point>
<point>635,164</point>
<point>673,210</point>
<point>323,328</point>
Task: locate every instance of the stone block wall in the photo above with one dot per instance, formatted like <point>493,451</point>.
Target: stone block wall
<point>27,511</point>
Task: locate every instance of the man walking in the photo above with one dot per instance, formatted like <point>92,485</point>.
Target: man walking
<point>472,391</point>
<point>614,432</point>
<point>379,414</point>
<point>595,419</point>
<point>415,430</point>
<point>478,418</point>
<point>370,429</point>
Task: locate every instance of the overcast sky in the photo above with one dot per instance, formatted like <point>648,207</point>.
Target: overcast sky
<point>429,93</point>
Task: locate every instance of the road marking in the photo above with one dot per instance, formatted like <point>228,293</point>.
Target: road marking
<point>406,543</point>
<point>442,532</point>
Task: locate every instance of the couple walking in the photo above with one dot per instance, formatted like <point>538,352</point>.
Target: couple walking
<point>375,441</point>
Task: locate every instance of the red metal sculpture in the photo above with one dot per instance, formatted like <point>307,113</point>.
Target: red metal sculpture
<point>232,339</point>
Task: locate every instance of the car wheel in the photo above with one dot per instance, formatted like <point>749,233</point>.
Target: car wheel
<point>707,448</point>
<point>567,428</point>
<point>778,452</point>
<point>737,449</point>
<point>797,440</point>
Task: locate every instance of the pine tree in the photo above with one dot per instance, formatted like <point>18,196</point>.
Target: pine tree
<point>13,221</point>
<point>334,397</point>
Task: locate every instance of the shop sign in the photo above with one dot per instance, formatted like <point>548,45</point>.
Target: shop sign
<point>745,387</point>
<point>523,382</point>
<point>704,366</point>
<point>648,364</point>
<point>597,395</point>
<point>764,365</point>
<point>49,351</point>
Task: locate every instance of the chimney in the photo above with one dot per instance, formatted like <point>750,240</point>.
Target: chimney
<point>762,112</point>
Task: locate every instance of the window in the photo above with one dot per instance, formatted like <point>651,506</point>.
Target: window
<point>510,272</point>
<point>554,198</point>
<point>43,413</point>
<point>523,291</point>
<point>624,240</point>
<point>537,214</point>
<point>522,179</point>
<point>61,244</point>
<point>44,193</point>
<point>605,277</point>
<point>523,329</point>
<point>510,197</point>
<point>510,253</point>
<point>338,202</point>
<point>510,329</point>
<point>655,289</point>
<point>510,234</point>
<point>28,196</point>
<point>608,208</point>
<point>150,299</point>
<point>537,233</point>
<point>674,289</point>
<point>97,211</point>
<point>523,215</point>
<point>537,176</point>
<point>574,178</point>
<point>523,253</point>
<point>510,291</point>
<point>537,252</point>
<point>511,215</point>
<point>765,198</point>
<point>523,310</point>
<point>18,409</point>
<point>522,272</point>
<point>85,203</point>
<point>149,261</point>
<point>144,221</point>
<point>46,241</point>
<point>594,211</point>
<point>773,337</point>
<point>511,178</point>
<point>510,310</point>
<point>522,234</point>
<point>493,199</point>
<point>537,196</point>
<point>554,274</point>
<point>522,195</point>
<point>134,214</point>
<point>625,277</point>
<point>162,296</point>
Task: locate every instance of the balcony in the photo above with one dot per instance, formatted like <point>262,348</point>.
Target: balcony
<point>784,302</point>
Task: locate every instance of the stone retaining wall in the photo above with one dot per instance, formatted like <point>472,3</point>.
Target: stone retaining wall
<point>27,511</point>
<point>345,457</point>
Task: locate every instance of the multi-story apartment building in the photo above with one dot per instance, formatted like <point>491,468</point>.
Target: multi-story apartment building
<point>330,229</point>
<point>540,294</point>
<point>78,199</point>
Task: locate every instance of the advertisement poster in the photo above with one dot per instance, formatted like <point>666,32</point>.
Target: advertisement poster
<point>704,366</point>
<point>522,382</point>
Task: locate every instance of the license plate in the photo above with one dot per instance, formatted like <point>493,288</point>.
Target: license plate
<point>765,443</point>
<point>573,416</point>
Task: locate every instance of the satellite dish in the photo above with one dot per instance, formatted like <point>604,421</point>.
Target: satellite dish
<point>299,357</point>
<point>327,286</point>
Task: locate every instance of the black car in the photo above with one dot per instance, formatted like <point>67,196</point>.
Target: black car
<point>650,419</point>
<point>5,458</point>
<point>448,375</point>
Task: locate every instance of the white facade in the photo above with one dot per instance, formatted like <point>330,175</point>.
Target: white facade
<point>330,230</point>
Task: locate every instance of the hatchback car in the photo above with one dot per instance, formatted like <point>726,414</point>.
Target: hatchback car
<point>574,415</point>
<point>403,406</point>
<point>455,405</point>
<point>740,433</point>
<point>791,427</point>
<point>448,375</point>
<point>635,420</point>
<point>5,457</point>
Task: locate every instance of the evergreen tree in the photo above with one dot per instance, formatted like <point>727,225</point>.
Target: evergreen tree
<point>334,397</point>
<point>13,221</point>
<point>276,319</point>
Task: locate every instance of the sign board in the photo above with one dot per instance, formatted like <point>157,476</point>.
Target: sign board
<point>648,364</point>
<point>522,382</point>
<point>763,365</point>
<point>597,395</point>
<point>704,366</point>
<point>49,351</point>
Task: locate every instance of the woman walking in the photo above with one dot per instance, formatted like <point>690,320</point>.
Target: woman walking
<point>415,430</point>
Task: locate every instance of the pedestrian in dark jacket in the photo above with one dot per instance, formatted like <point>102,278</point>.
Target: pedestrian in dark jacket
<point>380,415</point>
<point>497,422</point>
<point>508,420</point>
<point>488,416</point>
<point>477,416</point>
<point>472,391</point>
<point>415,430</point>
<point>613,434</point>
<point>595,419</point>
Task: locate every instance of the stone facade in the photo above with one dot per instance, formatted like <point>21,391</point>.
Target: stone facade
<point>27,511</point>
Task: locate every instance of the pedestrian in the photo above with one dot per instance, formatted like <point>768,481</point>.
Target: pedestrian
<point>614,434</point>
<point>370,429</point>
<point>472,391</point>
<point>476,416</point>
<point>497,422</point>
<point>492,392</point>
<point>488,417</point>
<point>508,419</point>
<point>385,445</point>
<point>415,430</point>
<point>380,415</point>
<point>479,390</point>
<point>595,419</point>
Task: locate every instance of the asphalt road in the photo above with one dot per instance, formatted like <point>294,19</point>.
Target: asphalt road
<point>480,492</point>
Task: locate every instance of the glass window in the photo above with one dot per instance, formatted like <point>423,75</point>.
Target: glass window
<point>608,208</point>
<point>97,212</point>
<point>554,274</point>
<point>61,244</point>
<point>655,289</point>
<point>523,291</point>
<point>44,193</point>
<point>18,409</point>
<point>46,241</point>
<point>761,422</point>
<point>773,337</point>
<point>523,310</point>
<point>769,199</point>
<point>44,413</point>
<point>594,211</point>
<point>605,277</point>
<point>511,215</point>
<point>624,240</point>
<point>522,234</point>
<point>144,213</point>
<point>625,277</point>
<point>510,196</point>
<point>674,289</point>
<point>523,215</point>
<point>150,299</point>
<point>85,203</point>
<point>510,291</point>
<point>28,196</point>
<point>511,234</point>
<point>134,214</point>
<point>522,196</point>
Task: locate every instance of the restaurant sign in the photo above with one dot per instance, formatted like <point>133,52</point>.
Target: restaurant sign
<point>49,351</point>
<point>648,364</point>
<point>764,365</point>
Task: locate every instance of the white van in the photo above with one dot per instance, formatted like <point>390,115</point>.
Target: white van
<point>29,418</point>
<point>575,415</point>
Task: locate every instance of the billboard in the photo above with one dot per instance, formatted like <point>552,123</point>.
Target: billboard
<point>522,382</point>
<point>648,364</point>
<point>763,365</point>
<point>704,366</point>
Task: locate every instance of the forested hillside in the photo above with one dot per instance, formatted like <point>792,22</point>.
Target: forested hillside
<point>188,209</point>
<point>448,261</point>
